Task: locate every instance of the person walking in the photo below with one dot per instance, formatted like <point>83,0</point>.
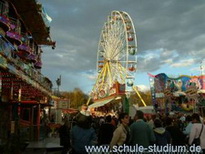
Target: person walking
<point>197,131</point>
<point>187,129</point>
<point>121,134</point>
<point>82,135</point>
<point>64,133</point>
<point>161,134</point>
<point>140,132</point>
<point>177,136</point>
<point>106,132</point>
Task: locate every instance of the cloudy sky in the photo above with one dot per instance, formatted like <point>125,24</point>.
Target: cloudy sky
<point>171,38</point>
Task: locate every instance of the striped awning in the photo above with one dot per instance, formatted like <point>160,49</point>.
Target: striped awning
<point>69,110</point>
<point>202,91</point>
<point>179,93</point>
<point>102,102</point>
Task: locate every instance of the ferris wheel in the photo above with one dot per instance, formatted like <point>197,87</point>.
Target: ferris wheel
<point>116,55</point>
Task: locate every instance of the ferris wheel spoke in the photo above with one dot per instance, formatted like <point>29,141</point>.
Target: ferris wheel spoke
<point>118,72</point>
<point>110,75</point>
<point>117,56</point>
<point>129,75</point>
<point>120,52</point>
<point>116,35</point>
<point>115,52</point>
<point>120,38</point>
<point>124,70</point>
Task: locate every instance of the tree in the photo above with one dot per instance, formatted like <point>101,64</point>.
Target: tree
<point>146,96</point>
<point>76,97</point>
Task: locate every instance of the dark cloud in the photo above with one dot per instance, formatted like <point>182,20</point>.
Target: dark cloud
<point>176,27</point>
<point>148,65</point>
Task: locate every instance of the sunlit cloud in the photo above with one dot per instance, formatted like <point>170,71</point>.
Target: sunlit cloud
<point>195,69</point>
<point>168,61</point>
<point>143,88</point>
<point>90,75</point>
<point>183,63</point>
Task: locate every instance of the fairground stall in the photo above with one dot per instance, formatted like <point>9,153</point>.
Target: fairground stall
<point>61,110</point>
<point>184,93</point>
<point>24,91</point>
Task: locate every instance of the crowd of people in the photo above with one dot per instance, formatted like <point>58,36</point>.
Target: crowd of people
<point>176,130</point>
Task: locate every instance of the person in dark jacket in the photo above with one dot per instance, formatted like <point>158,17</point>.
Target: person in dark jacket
<point>162,136</point>
<point>177,136</point>
<point>141,133</point>
<point>82,135</point>
<point>106,132</point>
<point>64,133</point>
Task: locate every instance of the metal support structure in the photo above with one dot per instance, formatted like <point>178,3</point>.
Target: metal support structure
<point>135,89</point>
<point>88,101</point>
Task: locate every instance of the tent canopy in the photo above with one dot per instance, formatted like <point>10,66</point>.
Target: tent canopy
<point>102,102</point>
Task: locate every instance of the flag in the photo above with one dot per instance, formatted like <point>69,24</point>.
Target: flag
<point>150,75</point>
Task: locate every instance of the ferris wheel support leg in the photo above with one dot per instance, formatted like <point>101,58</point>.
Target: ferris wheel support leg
<point>100,76</point>
<point>109,73</point>
<point>101,73</point>
<point>88,101</point>
<point>105,71</point>
<point>135,89</point>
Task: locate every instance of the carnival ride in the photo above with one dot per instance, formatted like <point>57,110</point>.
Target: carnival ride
<point>183,93</point>
<point>116,60</point>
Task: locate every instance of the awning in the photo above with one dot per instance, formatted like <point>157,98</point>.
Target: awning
<point>101,102</point>
<point>179,93</point>
<point>31,102</point>
<point>201,91</point>
<point>55,97</point>
<point>69,111</point>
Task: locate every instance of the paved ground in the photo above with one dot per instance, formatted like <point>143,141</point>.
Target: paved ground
<point>47,146</point>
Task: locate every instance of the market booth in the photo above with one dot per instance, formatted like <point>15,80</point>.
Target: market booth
<point>24,91</point>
